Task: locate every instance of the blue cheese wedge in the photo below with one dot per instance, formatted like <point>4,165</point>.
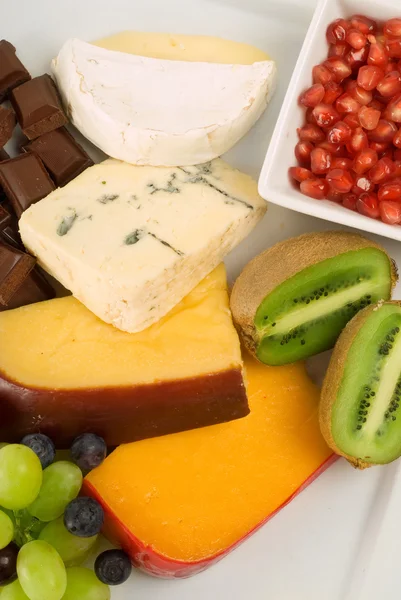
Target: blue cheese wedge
<point>152,111</point>
<point>130,242</point>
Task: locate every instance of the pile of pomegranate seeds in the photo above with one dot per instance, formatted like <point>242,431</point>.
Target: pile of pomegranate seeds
<point>349,149</point>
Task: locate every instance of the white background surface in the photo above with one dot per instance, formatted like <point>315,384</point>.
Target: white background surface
<point>319,547</point>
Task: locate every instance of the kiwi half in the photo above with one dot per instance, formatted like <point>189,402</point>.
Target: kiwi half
<point>360,414</point>
<point>293,300</point>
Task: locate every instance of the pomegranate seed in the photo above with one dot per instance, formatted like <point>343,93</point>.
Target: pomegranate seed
<point>393,48</point>
<point>320,74</point>
<point>338,49</point>
<point>384,132</point>
<point>376,105</point>
<point>382,170</point>
<point>369,117</point>
<point>338,67</point>
<point>397,154</point>
<point>332,92</point>
<point>363,184</point>
<point>365,160</point>
<point>379,147</point>
<point>377,56</point>
<point>302,152</point>
<point>369,76</point>
<point>397,168</point>
<point>387,154</point>
<point>352,120</point>
<point>349,201</point>
<point>392,28</point>
<point>359,94</point>
<point>359,141</point>
<point>393,110</point>
<point>356,39</point>
<point>346,104</point>
<point>363,24</point>
<point>335,196</point>
<point>340,180</point>
<point>390,212</point>
<point>314,188</point>
<point>337,150</point>
<point>397,139</point>
<point>368,205</point>
<point>356,58</point>
<point>339,133</point>
<point>320,161</point>
<point>390,85</point>
<point>336,31</point>
<point>311,133</point>
<point>390,191</point>
<point>325,115</point>
<point>312,96</point>
<point>309,118</point>
<point>300,174</point>
<point>390,66</point>
<point>339,162</point>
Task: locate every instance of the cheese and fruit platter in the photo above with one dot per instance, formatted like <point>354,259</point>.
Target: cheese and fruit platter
<point>180,358</point>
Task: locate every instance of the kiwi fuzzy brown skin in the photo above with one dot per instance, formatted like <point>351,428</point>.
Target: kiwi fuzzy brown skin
<point>334,375</point>
<point>281,262</point>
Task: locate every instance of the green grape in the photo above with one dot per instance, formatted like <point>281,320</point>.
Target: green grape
<point>61,484</point>
<point>13,591</point>
<point>72,549</point>
<point>83,584</point>
<point>20,476</point>
<point>2,444</point>
<point>6,530</point>
<point>41,572</point>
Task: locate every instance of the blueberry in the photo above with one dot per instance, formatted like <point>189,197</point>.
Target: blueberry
<point>88,451</point>
<point>84,517</point>
<point>8,564</point>
<point>42,446</point>
<point>113,567</point>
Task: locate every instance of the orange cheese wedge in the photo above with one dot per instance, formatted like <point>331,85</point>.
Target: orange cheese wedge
<point>178,503</point>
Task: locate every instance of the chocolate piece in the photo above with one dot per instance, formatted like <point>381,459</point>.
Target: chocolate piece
<point>25,181</point>
<point>5,217</point>
<point>7,124</point>
<point>3,155</point>
<point>62,156</point>
<point>12,71</point>
<point>10,233</point>
<point>38,106</point>
<point>15,267</point>
<point>35,288</point>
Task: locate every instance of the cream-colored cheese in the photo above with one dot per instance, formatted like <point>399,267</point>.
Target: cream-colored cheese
<point>149,111</point>
<point>130,242</point>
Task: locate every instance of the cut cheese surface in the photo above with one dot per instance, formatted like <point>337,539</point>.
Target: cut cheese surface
<point>193,48</point>
<point>131,242</point>
<point>193,495</point>
<point>160,112</point>
<point>60,344</point>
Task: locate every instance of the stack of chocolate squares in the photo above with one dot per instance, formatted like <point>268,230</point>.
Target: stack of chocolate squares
<point>50,158</point>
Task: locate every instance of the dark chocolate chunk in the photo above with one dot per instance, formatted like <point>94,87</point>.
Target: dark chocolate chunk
<point>3,155</point>
<point>35,288</point>
<point>38,107</point>
<point>11,236</point>
<point>7,124</point>
<point>24,181</point>
<point>15,267</point>
<point>5,217</point>
<point>62,156</point>
<point>12,71</point>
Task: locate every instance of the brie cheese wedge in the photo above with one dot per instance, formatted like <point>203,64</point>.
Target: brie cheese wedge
<point>131,242</point>
<point>149,111</point>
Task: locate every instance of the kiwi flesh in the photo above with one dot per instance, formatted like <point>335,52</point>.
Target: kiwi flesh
<point>293,300</point>
<point>360,414</point>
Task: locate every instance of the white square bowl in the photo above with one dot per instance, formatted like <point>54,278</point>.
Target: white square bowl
<point>274,182</point>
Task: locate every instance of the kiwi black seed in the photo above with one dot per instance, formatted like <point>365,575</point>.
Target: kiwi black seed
<point>293,300</point>
<point>360,414</point>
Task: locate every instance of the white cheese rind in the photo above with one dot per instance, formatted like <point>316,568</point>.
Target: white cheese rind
<point>130,242</point>
<point>149,111</point>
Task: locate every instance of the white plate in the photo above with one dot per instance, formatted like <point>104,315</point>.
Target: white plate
<point>311,549</point>
<point>275,184</point>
